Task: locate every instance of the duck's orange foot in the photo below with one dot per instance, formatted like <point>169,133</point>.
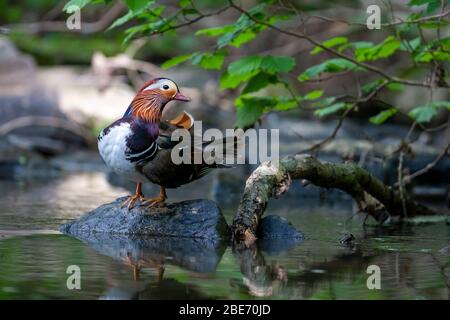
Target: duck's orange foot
<point>160,199</point>
<point>129,203</point>
<point>153,202</point>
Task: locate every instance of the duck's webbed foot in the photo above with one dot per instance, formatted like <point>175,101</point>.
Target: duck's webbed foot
<point>129,203</point>
<point>161,198</point>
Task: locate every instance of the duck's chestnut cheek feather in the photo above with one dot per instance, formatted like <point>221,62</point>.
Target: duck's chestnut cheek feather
<point>170,93</point>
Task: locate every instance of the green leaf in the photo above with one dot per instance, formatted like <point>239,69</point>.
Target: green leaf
<point>330,43</point>
<point>184,3</point>
<point>322,103</point>
<point>383,116</point>
<point>268,64</point>
<point>362,44</point>
<point>138,11</point>
<point>441,104</point>
<point>215,31</point>
<point>122,20</point>
<point>330,109</point>
<point>285,103</point>
<point>209,61</point>
<point>369,87</point>
<point>395,86</point>
<point>427,112</point>
<point>383,50</point>
<point>332,65</point>
<point>423,113</point>
<point>243,38</point>
<point>245,65</point>
<point>250,109</point>
<point>432,5</point>
<point>228,81</point>
<point>315,94</point>
<point>411,44</point>
<point>189,11</point>
<point>427,56</point>
<point>176,61</point>
<point>136,5</point>
<point>273,64</point>
<point>259,81</point>
<point>68,8</point>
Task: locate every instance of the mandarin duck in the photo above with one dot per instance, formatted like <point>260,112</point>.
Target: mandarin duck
<point>138,146</point>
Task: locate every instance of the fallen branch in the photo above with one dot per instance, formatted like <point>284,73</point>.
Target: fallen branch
<point>44,121</point>
<point>273,178</point>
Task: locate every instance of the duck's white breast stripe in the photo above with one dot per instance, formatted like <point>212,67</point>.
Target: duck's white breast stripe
<point>148,153</point>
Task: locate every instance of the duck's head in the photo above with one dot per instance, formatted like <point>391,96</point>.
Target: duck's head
<point>153,96</point>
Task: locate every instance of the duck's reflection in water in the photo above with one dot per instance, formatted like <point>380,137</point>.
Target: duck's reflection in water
<point>139,252</point>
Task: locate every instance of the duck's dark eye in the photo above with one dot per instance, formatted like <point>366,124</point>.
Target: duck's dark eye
<point>165,87</point>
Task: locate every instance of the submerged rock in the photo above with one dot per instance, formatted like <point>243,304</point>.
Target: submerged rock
<point>346,239</point>
<point>445,251</point>
<point>276,235</point>
<point>196,219</point>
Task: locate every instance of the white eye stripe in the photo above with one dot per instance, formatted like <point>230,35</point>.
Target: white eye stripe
<point>160,85</point>
<point>153,86</point>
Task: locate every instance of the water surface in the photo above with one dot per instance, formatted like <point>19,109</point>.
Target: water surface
<point>34,256</point>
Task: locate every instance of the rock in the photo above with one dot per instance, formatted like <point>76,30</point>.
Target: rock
<point>276,235</point>
<point>347,239</point>
<point>445,251</point>
<point>195,219</point>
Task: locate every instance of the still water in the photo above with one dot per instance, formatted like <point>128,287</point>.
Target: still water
<point>34,256</point>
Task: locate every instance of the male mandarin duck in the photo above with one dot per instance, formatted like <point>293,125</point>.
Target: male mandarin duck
<point>138,146</point>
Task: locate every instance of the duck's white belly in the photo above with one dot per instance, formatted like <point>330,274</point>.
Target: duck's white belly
<point>113,147</point>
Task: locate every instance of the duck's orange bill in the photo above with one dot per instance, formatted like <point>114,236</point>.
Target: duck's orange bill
<point>181,97</point>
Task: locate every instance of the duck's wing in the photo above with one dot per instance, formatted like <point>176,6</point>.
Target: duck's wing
<point>163,171</point>
<point>166,129</point>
